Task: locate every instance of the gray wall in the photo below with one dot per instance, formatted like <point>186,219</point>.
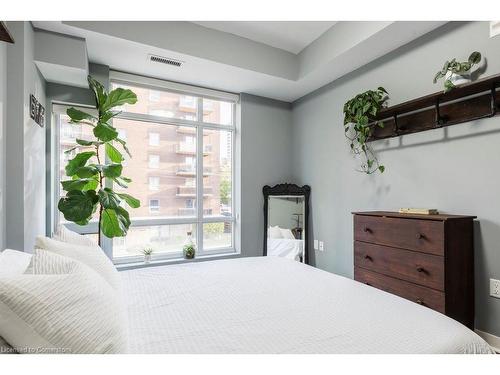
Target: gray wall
<point>266,154</point>
<point>3,109</point>
<point>452,169</point>
<point>25,143</point>
<point>282,210</point>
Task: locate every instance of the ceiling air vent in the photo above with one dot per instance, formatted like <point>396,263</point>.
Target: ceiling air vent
<point>165,60</point>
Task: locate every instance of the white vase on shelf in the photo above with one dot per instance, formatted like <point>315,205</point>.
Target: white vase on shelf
<point>458,78</point>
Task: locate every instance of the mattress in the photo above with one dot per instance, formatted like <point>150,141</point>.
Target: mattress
<point>276,305</point>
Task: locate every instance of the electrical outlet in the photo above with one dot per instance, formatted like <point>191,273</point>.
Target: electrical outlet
<point>495,288</point>
<point>321,246</point>
<point>315,244</point>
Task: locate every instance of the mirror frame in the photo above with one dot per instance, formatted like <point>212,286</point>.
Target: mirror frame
<point>288,189</point>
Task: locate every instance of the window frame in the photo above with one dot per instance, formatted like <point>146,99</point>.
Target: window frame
<point>199,220</point>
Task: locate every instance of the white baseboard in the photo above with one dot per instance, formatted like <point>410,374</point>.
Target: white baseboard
<point>492,340</point>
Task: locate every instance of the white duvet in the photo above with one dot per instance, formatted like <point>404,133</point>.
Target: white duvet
<point>276,305</point>
<point>285,248</point>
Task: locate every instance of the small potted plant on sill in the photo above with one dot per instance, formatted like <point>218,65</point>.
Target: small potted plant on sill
<point>457,73</point>
<point>189,248</point>
<point>359,115</point>
<point>147,252</point>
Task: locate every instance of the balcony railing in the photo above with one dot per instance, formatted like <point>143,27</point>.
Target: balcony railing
<point>192,130</point>
<point>192,211</point>
<point>186,130</point>
<point>190,149</point>
<point>190,170</point>
<point>187,211</point>
<point>190,191</point>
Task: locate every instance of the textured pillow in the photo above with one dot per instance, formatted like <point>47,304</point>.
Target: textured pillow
<point>63,234</point>
<point>92,256</point>
<point>75,312</point>
<point>13,262</point>
<point>275,232</point>
<point>287,234</point>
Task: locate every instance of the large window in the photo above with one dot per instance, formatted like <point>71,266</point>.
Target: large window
<point>182,167</point>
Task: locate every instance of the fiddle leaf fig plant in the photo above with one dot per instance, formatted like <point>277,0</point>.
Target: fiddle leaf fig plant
<point>359,115</point>
<point>454,67</point>
<point>99,162</point>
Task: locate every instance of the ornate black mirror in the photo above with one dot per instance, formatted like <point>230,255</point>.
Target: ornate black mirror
<point>286,216</point>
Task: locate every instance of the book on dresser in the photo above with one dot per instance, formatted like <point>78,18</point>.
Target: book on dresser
<point>428,259</point>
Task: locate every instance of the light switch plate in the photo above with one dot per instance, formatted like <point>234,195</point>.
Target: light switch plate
<point>495,288</point>
<point>321,246</point>
<point>315,244</point>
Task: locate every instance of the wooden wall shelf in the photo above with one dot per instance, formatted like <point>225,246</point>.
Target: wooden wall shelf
<point>467,102</point>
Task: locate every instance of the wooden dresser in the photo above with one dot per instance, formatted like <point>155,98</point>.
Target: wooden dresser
<point>428,259</point>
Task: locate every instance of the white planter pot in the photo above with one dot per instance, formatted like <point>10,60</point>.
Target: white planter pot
<point>458,79</point>
<point>147,259</point>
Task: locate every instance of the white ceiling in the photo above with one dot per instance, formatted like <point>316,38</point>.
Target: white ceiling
<point>225,61</point>
<point>291,36</point>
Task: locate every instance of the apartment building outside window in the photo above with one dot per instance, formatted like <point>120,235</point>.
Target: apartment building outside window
<point>154,183</point>
<point>183,147</point>
<point>154,139</point>
<point>154,205</point>
<point>154,161</point>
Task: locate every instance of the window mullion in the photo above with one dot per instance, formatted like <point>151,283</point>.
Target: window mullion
<point>107,243</point>
<point>199,177</point>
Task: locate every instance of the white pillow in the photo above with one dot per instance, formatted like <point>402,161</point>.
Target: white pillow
<point>13,262</point>
<point>92,256</point>
<point>287,233</point>
<point>63,234</point>
<point>75,312</point>
<point>275,232</point>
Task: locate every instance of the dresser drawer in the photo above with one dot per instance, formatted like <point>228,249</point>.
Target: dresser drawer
<point>416,293</point>
<point>426,236</point>
<point>423,269</point>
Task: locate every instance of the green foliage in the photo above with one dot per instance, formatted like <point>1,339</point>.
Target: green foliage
<point>225,190</point>
<point>359,114</point>
<point>89,170</point>
<point>456,67</point>
<point>213,228</point>
<point>189,251</point>
<point>147,251</point>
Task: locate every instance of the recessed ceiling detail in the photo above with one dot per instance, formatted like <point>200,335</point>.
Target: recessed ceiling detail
<point>279,60</point>
<point>291,36</point>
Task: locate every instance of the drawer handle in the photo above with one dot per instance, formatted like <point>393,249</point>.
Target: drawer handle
<point>420,236</point>
<point>367,257</point>
<point>420,302</point>
<point>367,230</point>
<point>421,270</point>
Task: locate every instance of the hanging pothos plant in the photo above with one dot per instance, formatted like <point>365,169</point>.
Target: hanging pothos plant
<point>100,161</point>
<point>359,115</point>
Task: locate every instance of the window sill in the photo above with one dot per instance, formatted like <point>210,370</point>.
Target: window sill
<point>164,262</point>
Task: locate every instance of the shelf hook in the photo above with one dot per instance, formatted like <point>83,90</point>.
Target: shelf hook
<point>440,120</point>
<point>493,98</point>
<point>396,127</point>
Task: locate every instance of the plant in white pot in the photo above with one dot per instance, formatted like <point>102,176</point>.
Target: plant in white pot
<point>360,115</point>
<point>457,73</point>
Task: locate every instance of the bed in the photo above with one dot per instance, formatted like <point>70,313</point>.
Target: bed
<point>277,305</point>
<point>285,247</point>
